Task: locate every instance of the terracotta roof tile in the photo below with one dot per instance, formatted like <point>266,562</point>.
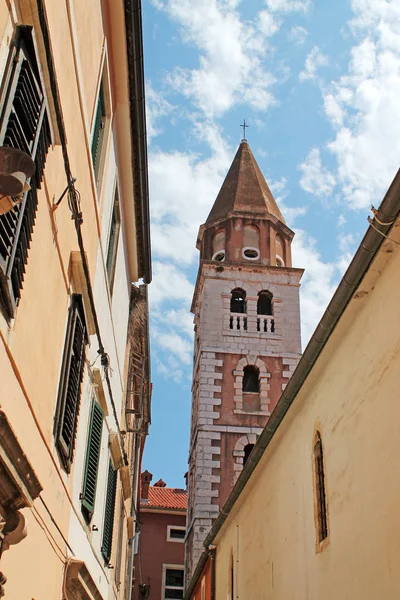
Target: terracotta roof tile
<point>164,497</point>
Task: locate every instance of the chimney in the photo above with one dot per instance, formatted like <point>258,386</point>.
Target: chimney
<point>145,478</point>
<point>160,483</point>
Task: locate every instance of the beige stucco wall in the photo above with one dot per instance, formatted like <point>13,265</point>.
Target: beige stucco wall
<point>31,346</point>
<point>352,398</point>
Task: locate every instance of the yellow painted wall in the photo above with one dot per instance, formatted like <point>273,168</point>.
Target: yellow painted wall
<point>352,396</point>
<point>31,346</point>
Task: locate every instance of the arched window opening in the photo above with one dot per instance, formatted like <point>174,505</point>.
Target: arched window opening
<point>247,452</point>
<point>238,301</point>
<point>322,520</point>
<point>265,307</point>
<point>264,303</point>
<point>250,379</point>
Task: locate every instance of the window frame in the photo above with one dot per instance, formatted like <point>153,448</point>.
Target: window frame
<point>320,493</point>
<point>179,528</point>
<point>75,314</point>
<point>98,162</point>
<point>165,587</point>
<point>114,231</point>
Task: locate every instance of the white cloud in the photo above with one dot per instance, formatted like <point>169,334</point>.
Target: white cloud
<point>157,108</point>
<point>315,178</point>
<point>363,106</point>
<point>169,283</point>
<point>297,34</point>
<point>175,344</point>
<point>286,6</point>
<point>315,59</point>
<point>317,285</point>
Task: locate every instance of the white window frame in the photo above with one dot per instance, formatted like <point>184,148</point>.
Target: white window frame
<point>164,573</point>
<point>172,539</point>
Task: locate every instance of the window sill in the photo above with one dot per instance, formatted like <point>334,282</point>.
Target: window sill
<point>257,413</point>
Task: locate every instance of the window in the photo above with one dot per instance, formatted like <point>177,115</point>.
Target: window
<point>251,242</point>
<point>88,495</point>
<point>108,525</point>
<point>322,521</point>
<point>251,379</point>
<point>264,303</point>
<point>113,241</point>
<point>176,534</point>
<point>99,130</point>
<point>24,125</point>
<point>238,301</point>
<point>173,582</point>
<point>69,391</point>
<point>247,452</point>
<point>219,256</point>
<point>203,589</point>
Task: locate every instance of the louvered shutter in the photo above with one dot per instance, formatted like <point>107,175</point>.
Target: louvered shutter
<point>109,513</point>
<point>70,383</point>
<point>92,460</point>
<point>98,127</point>
<point>24,125</point>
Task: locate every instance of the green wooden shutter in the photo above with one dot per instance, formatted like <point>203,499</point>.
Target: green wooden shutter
<point>98,128</point>
<point>109,513</point>
<point>92,461</point>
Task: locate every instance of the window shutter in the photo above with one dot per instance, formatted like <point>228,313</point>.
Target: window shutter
<point>109,513</point>
<point>113,241</point>
<point>69,394</point>
<point>24,125</point>
<point>92,460</point>
<point>98,129</point>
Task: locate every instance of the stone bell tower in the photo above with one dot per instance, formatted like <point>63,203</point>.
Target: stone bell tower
<point>247,337</point>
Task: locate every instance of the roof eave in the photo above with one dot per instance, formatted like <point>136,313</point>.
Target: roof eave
<point>134,37</point>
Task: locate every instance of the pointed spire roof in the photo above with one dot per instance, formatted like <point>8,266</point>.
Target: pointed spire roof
<point>244,189</point>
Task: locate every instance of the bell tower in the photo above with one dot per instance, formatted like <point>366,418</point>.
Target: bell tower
<point>247,337</point>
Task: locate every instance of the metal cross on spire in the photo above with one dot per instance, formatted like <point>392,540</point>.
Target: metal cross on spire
<point>244,128</point>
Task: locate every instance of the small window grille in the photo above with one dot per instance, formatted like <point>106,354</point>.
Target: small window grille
<point>109,513</point>
<point>88,496</point>
<point>69,391</point>
<point>322,521</point>
<point>24,125</point>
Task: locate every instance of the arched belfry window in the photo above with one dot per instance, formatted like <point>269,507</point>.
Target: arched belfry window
<point>247,452</point>
<point>320,489</point>
<point>264,303</point>
<point>238,301</point>
<point>251,379</point>
<point>219,246</point>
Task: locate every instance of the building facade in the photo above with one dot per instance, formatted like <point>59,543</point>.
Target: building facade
<point>314,513</point>
<point>159,561</point>
<point>74,360</point>
<point>247,337</point>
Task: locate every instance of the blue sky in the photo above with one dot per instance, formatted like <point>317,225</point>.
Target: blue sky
<point>319,84</point>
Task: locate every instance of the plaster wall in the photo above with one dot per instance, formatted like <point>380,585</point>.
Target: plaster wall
<point>351,398</point>
<point>31,345</point>
<point>155,551</point>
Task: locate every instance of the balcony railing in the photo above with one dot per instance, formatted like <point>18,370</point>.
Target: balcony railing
<point>265,324</point>
<point>238,321</point>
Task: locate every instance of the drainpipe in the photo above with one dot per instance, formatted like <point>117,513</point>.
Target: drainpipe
<point>212,582</point>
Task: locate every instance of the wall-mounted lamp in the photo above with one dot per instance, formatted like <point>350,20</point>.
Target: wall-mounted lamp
<point>16,167</point>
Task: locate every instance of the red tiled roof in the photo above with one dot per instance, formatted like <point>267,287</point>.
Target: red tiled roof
<point>163,497</point>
